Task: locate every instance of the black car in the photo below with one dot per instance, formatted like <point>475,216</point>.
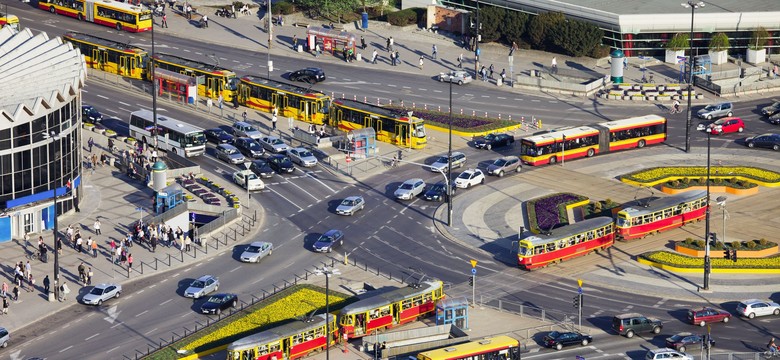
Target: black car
<point>685,341</point>
<point>557,340</point>
<point>281,164</point>
<point>308,75</point>
<point>249,147</point>
<point>329,240</point>
<point>218,302</point>
<point>218,136</point>
<point>90,115</point>
<point>437,192</point>
<point>769,141</point>
<point>261,168</point>
<point>491,141</point>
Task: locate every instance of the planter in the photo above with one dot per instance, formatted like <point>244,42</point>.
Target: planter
<point>719,57</point>
<point>99,130</point>
<point>88,126</point>
<point>110,133</point>
<point>743,252</point>
<point>756,56</point>
<point>671,56</point>
<point>131,141</point>
<point>717,189</point>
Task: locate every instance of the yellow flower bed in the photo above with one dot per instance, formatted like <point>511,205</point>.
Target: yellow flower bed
<point>684,261</point>
<point>657,175</point>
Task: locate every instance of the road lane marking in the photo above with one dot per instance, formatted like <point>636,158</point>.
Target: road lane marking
<point>235,268</point>
<point>258,280</point>
<point>117,324</point>
<point>102,96</point>
<point>288,200</point>
<point>112,349</point>
<point>66,349</point>
<point>307,193</point>
<point>87,339</point>
<point>141,313</point>
<point>308,174</point>
<point>150,331</point>
<point>165,302</point>
<point>123,103</point>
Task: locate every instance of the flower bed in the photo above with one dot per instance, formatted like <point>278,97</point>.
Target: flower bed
<point>746,249</point>
<point>464,124</point>
<point>674,261</point>
<point>658,175</point>
<point>549,212</point>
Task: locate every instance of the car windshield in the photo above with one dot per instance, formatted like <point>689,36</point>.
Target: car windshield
<point>97,291</point>
<point>348,202</point>
<point>197,284</point>
<point>525,250</point>
<point>499,162</point>
<point>490,137</point>
<point>92,112</point>
<point>253,145</point>
<point>230,151</point>
<point>276,141</point>
<point>407,186</point>
<point>218,132</point>
<point>250,175</point>
<point>437,187</point>
<point>305,153</point>
<point>553,334</point>
<point>710,107</point>
<point>197,138</point>
<point>216,299</point>
<point>719,122</point>
<point>464,175</point>
<point>325,239</point>
<point>250,128</point>
<point>676,338</point>
<point>442,159</point>
<point>253,249</point>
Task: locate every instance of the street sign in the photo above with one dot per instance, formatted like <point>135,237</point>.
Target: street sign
<point>579,291</point>
<point>192,216</point>
<point>473,263</point>
<point>579,282</point>
<point>473,271</point>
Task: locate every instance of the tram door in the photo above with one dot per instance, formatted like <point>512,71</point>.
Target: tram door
<point>360,324</point>
<point>402,133</point>
<point>99,58</point>
<point>304,111</point>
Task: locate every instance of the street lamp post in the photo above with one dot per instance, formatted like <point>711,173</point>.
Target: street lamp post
<point>328,272</point>
<point>154,91</point>
<point>707,264</point>
<point>476,44</point>
<point>721,200</point>
<point>693,5</point>
<point>449,166</point>
<point>270,36</point>
<point>54,137</point>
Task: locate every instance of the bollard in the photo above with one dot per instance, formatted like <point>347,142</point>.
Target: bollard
<point>377,101</point>
<point>354,97</point>
<point>413,107</point>
<point>473,113</point>
<point>499,116</point>
<point>425,106</point>
<point>343,96</point>
<point>485,113</point>
<point>461,111</point>
<point>365,99</point>
<point>439,108</point>
<point>510,117</point>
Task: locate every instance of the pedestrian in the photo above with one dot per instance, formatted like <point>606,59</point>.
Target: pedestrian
<point>129,263</point>
<point>434,51</point>
<point>554,65</point>
<point>392,58</point>
<point>154,243</point>
<point>490,69</point>
<point>82,272</point>
<point>59,246</point>
<point>273,122</point>
<point>373,57</point>
<point>117,255</point>
<point>625,63</point>
<point>187,243</point>
<point>205,21</point>
<point>421,62</point>
<point>220,99</point>
<point>295,42</point>
<point>31,281</point>
<point>46,284</point>
<point>64,291</point>
<point>5,305</point>
<point>774,71</point>
<point>503,75</point>
<point>26,239</point>
<point>388,45</point>
<point>5,289</point>
<point>362,42</point>
<point>94,248</point>
<point>97,225</point>
<point>244,115</point>
<point>89,276</point>
<point>165,20</point>
<point>79,244</point>
<point>188,12</point>
<point>27,269</point>
<point>460,61</point>
<point>68,232</point>
<point>392,43</point>
<point>482,73</point>
<point>317,50</point>
<point>397,57</point>
<point>16,293</point>
<point>90,143</point>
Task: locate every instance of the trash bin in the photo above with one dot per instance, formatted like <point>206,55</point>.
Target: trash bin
<point>533,73</point>
<point>499,82</point>
<point>358,57</point>
<point>300,48</point>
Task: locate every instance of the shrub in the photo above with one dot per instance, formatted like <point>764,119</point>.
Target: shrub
<point>281,8</point>
<point>402,18</point>
<point>597,207</point>
<point>609,203</point>
<point>758,39</point>
<point>718,246</point>
<point>678,42</point>
<point>763,242</point>
<point>599,52</point>
<point>674,183</point>
<point>719,42</point>
<point>689,241</point>
<point>700,244</point>
<point>736,245</point>
<point>686,181</point>
<point>751,244</point>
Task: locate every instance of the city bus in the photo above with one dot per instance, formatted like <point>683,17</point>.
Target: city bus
<point>213,81</point>
<point>500,347</point>
<point>585,141</point>
<point>9,20</point>
<point>566,242</point>
<point>661,214</point>
<point>119,15</point>
<point>301,103</point>
<point>172,135</point>
<point>392,308</point>
<point>289,341</point>
<point>391,126</point>
<point>110,56</point>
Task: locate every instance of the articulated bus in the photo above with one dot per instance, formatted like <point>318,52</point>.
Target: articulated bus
<point>9,20</point>
<point>172,135</point>
<point>119,15</point>
<point>301,103</point>
<point>389,309</point>
<point>661,214</point>
<point>286,342</point>
<point>585,141</point>
<point>212,80</point>
<point>391,126</point>
<point>566,242</point>
<point>110,56</point>
<point>500,347</point>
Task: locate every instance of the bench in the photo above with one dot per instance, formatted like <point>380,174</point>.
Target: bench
<point>301,24</point>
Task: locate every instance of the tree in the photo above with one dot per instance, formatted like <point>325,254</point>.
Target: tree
<point>758,39</point>
<point>678,42</point>
<point>541,28</point>
<point>577,38</point>
<point>491,18</point>
<point>515,24</point>
<point>719,42</point>
<point>331,9</point>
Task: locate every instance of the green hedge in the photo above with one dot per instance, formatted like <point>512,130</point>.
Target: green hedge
<point>282,8</point>
<point>402,18</point>
<point>760,244</point>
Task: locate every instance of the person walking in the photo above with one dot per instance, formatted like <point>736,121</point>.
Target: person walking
<point>31,282</point>
<point>16,293</point>
<point>82,272</point>
<point>6,304</point>
<point>490,70</point>
<point>421,62</point>
<point>90,143</point>
<point>94,248</point>
<point>317,50</point>
<point>392,58</point>
<point>397,57</point>
<point>117,256</point>
<point>434,51</point>
<point>129,264</point>
<point>625,63</point>
<point>46,284</point>
<point>79,242</point>
<point>187,243</point>
<point>774,71</point>
<point>388,45</point>
<point>165,20</point>
<point>205,21</point>
<point>295,42</point>
<point>4,289</point>
<point>373,57</point>
<point>27,269</point>
<point>64,291</point>
<point>392,43</point>
<point>362,42</point>
<point>244,115</point>
<point>59,246</point>
<point>89,276</point>
<point>554,66</point>
<point>460,61</point>
<point>273,120</point>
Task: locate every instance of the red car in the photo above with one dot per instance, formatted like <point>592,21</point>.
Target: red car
<point>726,125</point>
<point>707,315</point>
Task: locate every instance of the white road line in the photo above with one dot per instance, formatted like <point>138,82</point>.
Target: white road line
<point>258,280</point>
<point>117,324</point>
<point>288,200</point>
<point>87,339</point>
<point>235,268</point>
<point>500,97</point>
<point>390,85</point>
<point>125,110</point>
<point>141,313</point>
<point>485,96</point>
<point>406,87</point>
<point>165,302</point>
<point>112,349</point>
<point>408,206</point>
<point>307,193</point>
<point>185,50</point>
<point>102,96</point>
<point>66,349</point>
<point>123,103</point>
<point>437,91</point>
<point>322,183</point>
<point>518,99</point>
<point>421,89</point>
<point>150,331</point>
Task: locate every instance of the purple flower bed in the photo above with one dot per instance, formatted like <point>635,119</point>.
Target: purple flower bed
<point>549,212</point>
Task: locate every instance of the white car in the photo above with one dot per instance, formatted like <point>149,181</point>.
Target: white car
<point>256,251</point>
<point>754,307</point>
<point>470,178</point>
<point>247,179</point>
<point>302,157</point>
<point>667,354</point>
<point>273,144</point>
<point>459,77</point>
<point>410,189</point>
<point>101,293</point>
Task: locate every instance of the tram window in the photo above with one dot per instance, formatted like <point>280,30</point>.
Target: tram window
<point>428,298</point>
<point>320,332</point>
<point>539,250</point>
<point>551,247</point>
<point>572,241</point>
<point>406,304</point>
<point>667,213</point>
<point>561,244</point>
<point>275,347</point>
<point>385,311</point>
<point>263,350</point>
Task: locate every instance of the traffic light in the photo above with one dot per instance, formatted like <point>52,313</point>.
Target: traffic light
<point>726,254</point>
<point>471,281</point>
<point>713,238</point>
<point>734,255</point>
<point>577,301</point>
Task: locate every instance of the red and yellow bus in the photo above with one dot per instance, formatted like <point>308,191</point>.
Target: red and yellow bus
<point>9,20</point>
<point>585,141</point>
<point>566,242</point>
<point>289,341</point>
<point>389,309</point>
<point>661,214</point>
<point>213,80</point>
<point>500,347</point>
<point>110,56</point>
<point>390,125</point>
<point>301,103</point>
<point>119,15</point>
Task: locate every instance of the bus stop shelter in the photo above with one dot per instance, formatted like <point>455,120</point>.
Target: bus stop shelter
<point>362,142</point>
<point>330,40</point>
<point>454,311</point>
<point>175,84</point>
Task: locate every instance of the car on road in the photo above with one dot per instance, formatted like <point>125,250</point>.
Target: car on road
<point>755,307</point>
<point>218,303</point>
<point>249,147</point>
<point>90,115</point>
<point>329,240</point>
<point>771,109</point>
<point>686,341</point>
<point>491,141</point>
<point>311,75</point>
<point>218,136</point>
<point>247,179</point>
<point>5,337</point>
<point>281,164</point>
<point>470,178</point>
<point>438,192</point>
<point>409,189</point>
<point>101,293</point>
<point>302,157</point>
<point>229,153</point>
<point>768,140</point>
<point>459,77</point>
<point>557,340</point>
<point>261,168</point>
<point>202,286</point>
<point>256,251</point>
<point>633,323</point>
<point>775,119</point>
<point>442,162</point>
<point>718,110</point>
<point>351,205</point>
<point>667,354</point>
<point>726,126</point>
<point>243,129</point>
<point>273,144</point>
<point>504,165</point>
<point>707,315</point>
<point>704,125</point>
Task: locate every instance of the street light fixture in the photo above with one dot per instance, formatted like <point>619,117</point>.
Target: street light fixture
<point>54,137</point>
<point>693,5</point>
<point>328,272</point>
<point>707,264</point>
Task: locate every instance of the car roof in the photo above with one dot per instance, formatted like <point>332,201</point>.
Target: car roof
<point>753,301</point>
<point>104,285</point>
<point>354,197</point>
<point>205,277</point>
<point>227,146</point>
<point>412,181</point>
<point>241,123</point>
<point>259,243</point>
<point>277,156</point>
<point>331,232</point>
<point>509,157</point>
<point>472,170</point>
<point>629,315</point>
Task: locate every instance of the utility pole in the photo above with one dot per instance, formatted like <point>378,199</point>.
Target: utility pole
<point>476,44</point>
<point>473,283</point>
<point>578,303</point>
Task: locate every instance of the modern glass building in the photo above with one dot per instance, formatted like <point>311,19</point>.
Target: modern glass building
<point>40,130</point>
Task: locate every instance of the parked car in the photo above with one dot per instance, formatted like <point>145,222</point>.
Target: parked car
<point>5,337</point>
<point>302,157</point>
<point>707,315</point>
<point>256,251</point>
<point>218,136</point>
<point>329,240</point>
<point>686,341</point>
<point>441,163</point>
<point>667,354</point>
<point>470,178</point>
<point>101,293</point>
<point>491,141</point>
<point>204,285</point>
<point>459,77</point>
<point>273,144</point>
<point>410,189</point>
<point>771,109</point>
<point>726,125</point>
<point>90,115</point>
<point>351,205</point>
<point>281,164</point>
<point>247,179</point>
<point>218,303</point>
<point>249,147</point>
<point>229,153</point>
<point>704,125</point>
<point>243,129</point>
<point>768,140</point>
<point>504,165</point>
<point>261,168</point>
<point>557,340</point>
<point>716,110</point>
<point>633,323</point>
<point>754,307</point>
<point>311,75</point>
<point>775,119</point>
<point>438,192</point>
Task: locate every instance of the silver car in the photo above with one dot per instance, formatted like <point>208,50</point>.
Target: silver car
<point>410,189</point>
<point>458,160</point>
<point>245,130</point>
<point>203,285</point>
<point>273,144</point>
<point>101,293</point>
<point>716,110</point>
<point>457,76</point>
<point>229,153</point>
<point>504,165</point>
<point>256,251</point>
<point>302,157</point>
<point>351,205</point>
<point>5,337</point>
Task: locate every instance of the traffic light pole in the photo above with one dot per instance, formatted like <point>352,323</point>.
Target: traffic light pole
<point>474,290</point>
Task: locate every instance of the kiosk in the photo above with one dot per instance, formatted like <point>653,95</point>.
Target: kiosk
<point>330,40</point>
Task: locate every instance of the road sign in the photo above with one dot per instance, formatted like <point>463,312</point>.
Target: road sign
<point>192,216</point>
<point>579,282</point>
<point>473,271</point>
<point>579,291</point>
<point>473,263</point>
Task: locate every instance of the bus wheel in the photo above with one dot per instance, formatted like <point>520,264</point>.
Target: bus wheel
<point>553,160</point>
<point>591,152</point>
<point>81,18</point>
<point>52,9</point>
<point>118,27</point>
<point>640,144</point>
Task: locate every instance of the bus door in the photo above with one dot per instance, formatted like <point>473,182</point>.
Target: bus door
<point>212,87</point>
<point>126,65</point>
<point>368,121</point>
<point>283,104</point>
<point>88,7</point>
<point>243,93</point>
<point>401,133</point>
<point>99,58</point>
<point>276,101</point>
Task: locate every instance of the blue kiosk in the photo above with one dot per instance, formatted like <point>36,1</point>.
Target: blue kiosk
<point>453,311</point>
<point>168,198</point>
